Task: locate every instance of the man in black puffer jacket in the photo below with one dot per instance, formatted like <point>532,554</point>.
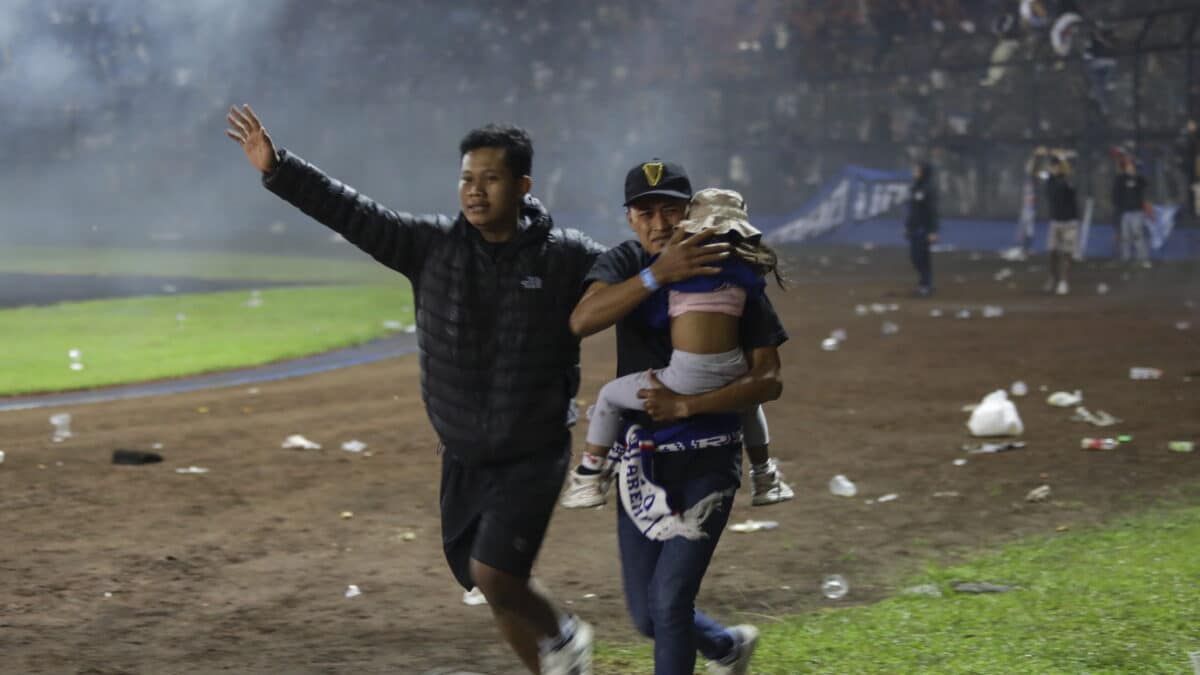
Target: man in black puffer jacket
<point>494,289</point>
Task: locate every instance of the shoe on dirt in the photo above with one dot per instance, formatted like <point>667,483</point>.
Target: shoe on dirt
<point>767,487</point>
<point>586,491</point>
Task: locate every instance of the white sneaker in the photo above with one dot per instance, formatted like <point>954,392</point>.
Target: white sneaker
<point>574,657</point>
<point>747,640</point>
<point>586,491</point>
<point>767,487</point>
<point>1062,288</point>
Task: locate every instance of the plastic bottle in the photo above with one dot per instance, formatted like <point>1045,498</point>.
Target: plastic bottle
<point>834,587</point>
<point>1145,373</point>
<point>62,426</point>
<point>1019,388</point>
<point>842,486</point>
<point>1098,444</point>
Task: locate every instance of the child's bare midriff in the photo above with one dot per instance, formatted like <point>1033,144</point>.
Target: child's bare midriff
<point>704,332</point>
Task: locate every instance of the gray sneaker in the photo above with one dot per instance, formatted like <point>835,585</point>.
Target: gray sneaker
<point>586,491</point>
<point>747,639</point>
<point>572,658</point>
<point>767,487</point>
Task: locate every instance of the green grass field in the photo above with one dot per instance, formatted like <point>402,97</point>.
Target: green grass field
<point>138,339</point>
<point>1119,599</point>
<point>196,264</point>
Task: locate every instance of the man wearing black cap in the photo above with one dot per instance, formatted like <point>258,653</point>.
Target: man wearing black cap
<point>656,198</point>
<point>661,578</point>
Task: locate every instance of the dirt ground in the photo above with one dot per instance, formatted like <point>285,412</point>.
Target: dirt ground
<point>114,569</point>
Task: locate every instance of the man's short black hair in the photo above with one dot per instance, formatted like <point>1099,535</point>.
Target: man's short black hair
<point>515,141</point>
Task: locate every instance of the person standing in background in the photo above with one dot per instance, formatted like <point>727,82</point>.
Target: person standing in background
<point>921,225</point>
<point>1063,237</point>
<point>1129,201</point>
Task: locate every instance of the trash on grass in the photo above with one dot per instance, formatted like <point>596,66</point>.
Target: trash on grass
<point>990,448</point>
<point>134,457</point>
<point>298,442</point>
<point>754,526</point>
<point>392,324</point>
<point>1098,418</point>
<point>929,590</point>
<point>1038,494</point>
<point>995,416</point>
<point>1064,399</point>
<point>842,486</point>
<point>1143,373</point>
<point>62,426</point>
<point>834,587</point>
<point>1098,444</point>
<point>945,494</point>
<point>474,597</point>
<point>191,469</point>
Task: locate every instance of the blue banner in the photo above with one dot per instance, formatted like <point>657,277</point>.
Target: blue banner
<point>858,194</point>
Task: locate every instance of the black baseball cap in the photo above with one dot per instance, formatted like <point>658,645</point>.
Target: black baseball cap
<point>657,177</point>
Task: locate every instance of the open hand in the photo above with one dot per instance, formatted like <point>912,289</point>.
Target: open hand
<point>250,134</point>
<point>660,403</point>
<point>683,258</point>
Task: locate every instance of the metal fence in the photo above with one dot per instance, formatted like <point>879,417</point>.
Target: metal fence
<point>952,100</point>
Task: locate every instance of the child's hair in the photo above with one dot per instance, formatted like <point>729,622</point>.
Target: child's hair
<point>761,257</point>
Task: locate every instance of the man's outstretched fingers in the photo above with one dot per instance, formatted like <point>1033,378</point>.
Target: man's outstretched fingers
<point>230,133</point>
<point>237,122</point>
<point>255,124</point>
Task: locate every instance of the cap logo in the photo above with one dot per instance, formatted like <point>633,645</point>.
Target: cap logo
<point>653,171</point>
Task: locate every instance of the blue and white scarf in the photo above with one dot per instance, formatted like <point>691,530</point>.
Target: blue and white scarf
<point>645,502</point>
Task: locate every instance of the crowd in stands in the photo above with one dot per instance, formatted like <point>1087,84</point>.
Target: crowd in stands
<point>768,96</point>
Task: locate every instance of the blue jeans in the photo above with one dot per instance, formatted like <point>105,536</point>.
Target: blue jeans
<point>662,579</point>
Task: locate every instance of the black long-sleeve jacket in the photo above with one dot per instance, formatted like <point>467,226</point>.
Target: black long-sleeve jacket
<point>1060,196</point>
<point>922,204</point>
<point>1128,192</point>
<point>499,364</point>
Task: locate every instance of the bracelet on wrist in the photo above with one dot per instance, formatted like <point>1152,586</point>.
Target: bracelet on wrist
<point>648,280</point>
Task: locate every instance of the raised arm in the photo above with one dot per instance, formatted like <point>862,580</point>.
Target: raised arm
<point>603,304</point>
<point>761,384</point>
<point>396,240</point>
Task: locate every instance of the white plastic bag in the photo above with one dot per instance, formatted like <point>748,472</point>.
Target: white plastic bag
<point>995,416</point>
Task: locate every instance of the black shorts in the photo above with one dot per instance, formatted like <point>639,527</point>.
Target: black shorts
<point>498,514</point>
